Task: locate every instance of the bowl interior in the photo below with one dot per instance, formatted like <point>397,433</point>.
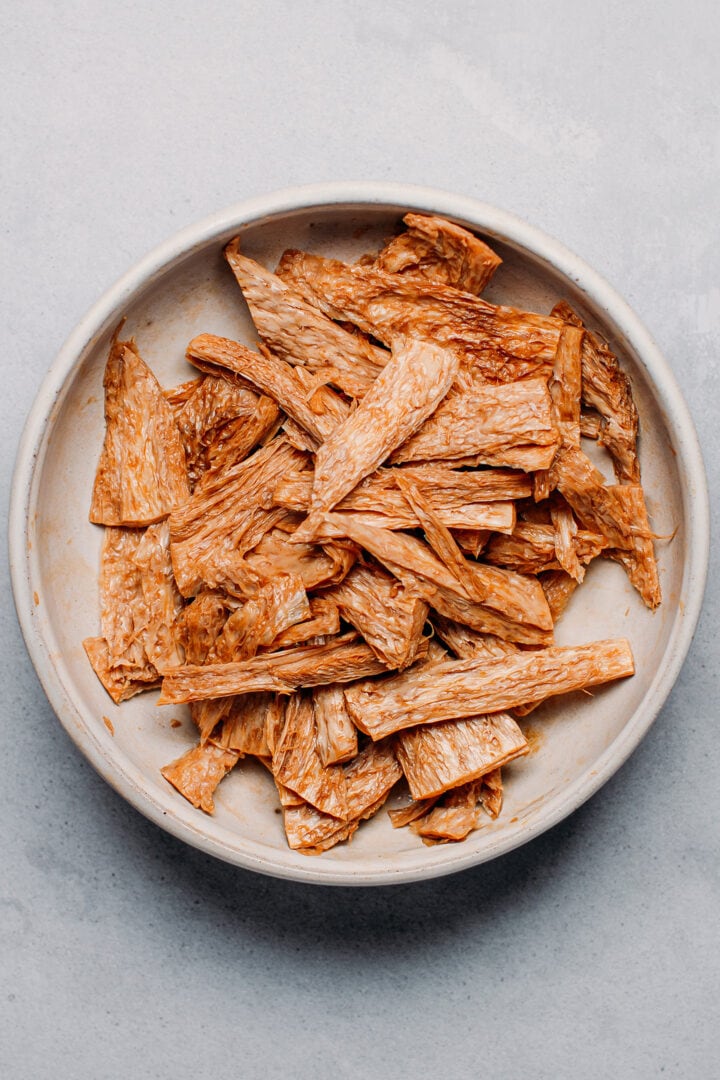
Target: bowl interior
<point>572,738</point>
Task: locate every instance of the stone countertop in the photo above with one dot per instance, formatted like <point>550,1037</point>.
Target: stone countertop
<point>592,951</point>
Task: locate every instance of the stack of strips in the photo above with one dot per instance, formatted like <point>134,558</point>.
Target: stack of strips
<point>346,549</point>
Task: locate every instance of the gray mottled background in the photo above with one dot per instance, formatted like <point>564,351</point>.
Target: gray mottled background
<point>592,952</point>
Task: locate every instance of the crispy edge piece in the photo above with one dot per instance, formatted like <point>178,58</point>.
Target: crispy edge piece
<point>220,423</point>
<point>244,727</point>
<point>141,474</point>
<point>198,624</point>
<point>618,512</point>
<point>118,656</point>
<point>533,548</point>
<point>225,518</point>
<point>277,605</point>
<point>198,772</point>
<point>468,644</point>
<point>403,815</point>
<point>606,388</point>
<point>297,765</point>
<point>453,818</point>
<point>163,602</point>
<point>491,792</point>
<point>461,688</point>
<point>593,501</point>
<point>316,565</point>
<point>558,587</point>
<point>638,560</point>
<point>324,621</point>
<point>440,251</point>
<point>369,778</point>
<point>565,387</point>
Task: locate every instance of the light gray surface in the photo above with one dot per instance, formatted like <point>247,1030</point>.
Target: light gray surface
<point>593,951</point>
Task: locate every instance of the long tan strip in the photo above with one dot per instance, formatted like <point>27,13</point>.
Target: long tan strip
<point>454,689</point>
<point>514,595</point>
<point>298,333</point>
<point>283,672</point>
<point>405,393</point>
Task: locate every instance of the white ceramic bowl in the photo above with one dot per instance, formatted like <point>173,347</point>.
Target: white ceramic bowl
<point>184,288</point>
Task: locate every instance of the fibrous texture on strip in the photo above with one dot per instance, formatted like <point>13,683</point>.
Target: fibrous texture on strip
<point>531,548</point>
<point>336,734</point>
<point>438,250</point>
<point>277,605</point>
<point>558,587</point>
<point>297,765</point>
<point>407,390</point>
<point>139,602</point>
<point>199,623</point>
<point>462,500</point>
<point>617,512</point>
<point>638,558</point>
<point>342,659</point>
<point>225,518</point>
<point>244,725</point>
<point>437,757</point>
<point>323,621</point>
<point>606,388</point>
<point>508,425</point>
<point>220,423</point>
<point>459,688</point>
<point>467,643</point>
<point>199,771</point>
<point>141,474</point>
<point>298,333</point>
<point>368,779</point>
<point>318,413</point>
<point>501,343</point>
<point>565,388</point>
<point>508,594</point>
<point>452,819</point>
<point>388,615</point>
<point>315,564</point>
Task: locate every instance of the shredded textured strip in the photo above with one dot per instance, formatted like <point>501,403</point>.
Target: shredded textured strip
<point>141,474</point>
<point>459,688</point>
<point>501,343</point>
<point>340,660</point>
<point>405,393</point>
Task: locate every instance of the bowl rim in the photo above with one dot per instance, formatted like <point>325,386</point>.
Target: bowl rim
<point>493,222</point>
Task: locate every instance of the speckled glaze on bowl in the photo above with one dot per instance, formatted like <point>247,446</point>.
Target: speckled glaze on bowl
<point>184,288</point>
